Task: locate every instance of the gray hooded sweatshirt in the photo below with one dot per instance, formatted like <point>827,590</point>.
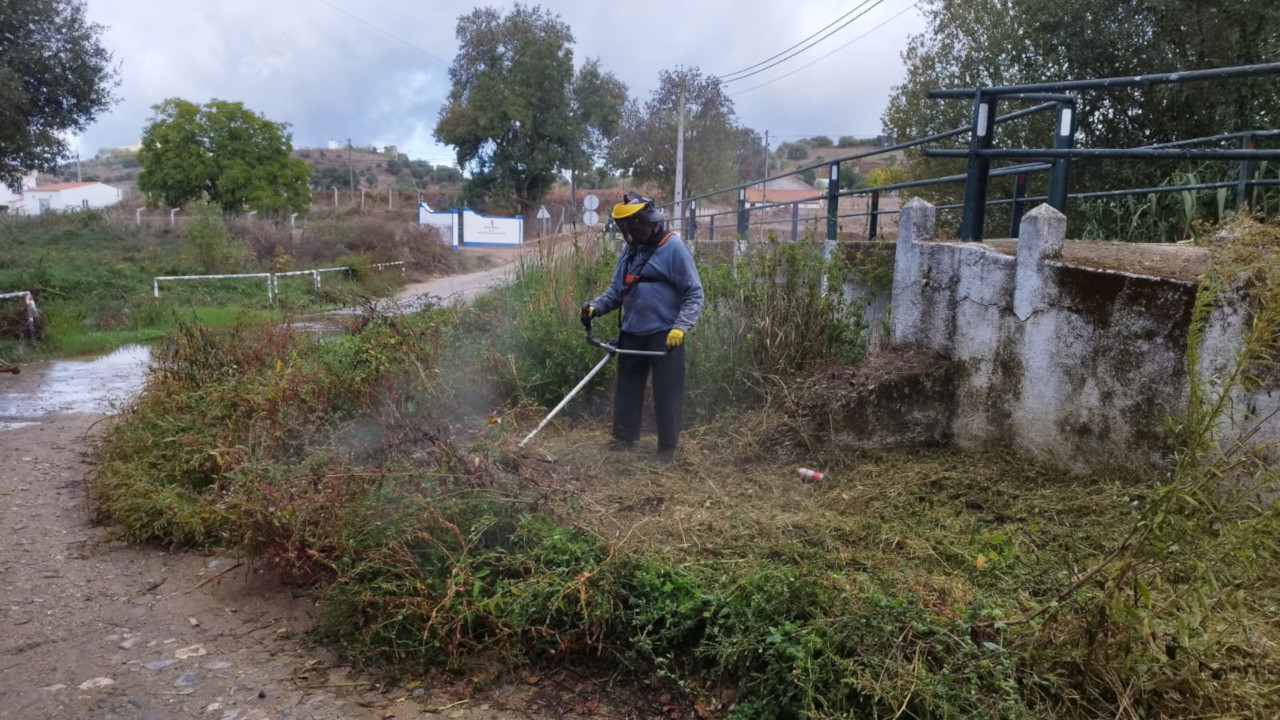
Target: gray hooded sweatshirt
<point>658,288</point>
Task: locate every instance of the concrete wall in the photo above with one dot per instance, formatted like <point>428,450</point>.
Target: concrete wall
<point>1075,366</point>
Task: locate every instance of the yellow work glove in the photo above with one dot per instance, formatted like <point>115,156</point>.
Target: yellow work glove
<point>675,338</point>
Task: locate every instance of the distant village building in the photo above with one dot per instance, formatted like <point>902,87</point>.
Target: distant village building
<point>11,197</point>
<point>65,197</point>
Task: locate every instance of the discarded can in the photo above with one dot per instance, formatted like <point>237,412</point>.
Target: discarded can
<point>809,475</point>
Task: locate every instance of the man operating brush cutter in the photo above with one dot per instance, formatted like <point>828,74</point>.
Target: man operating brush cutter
<point>657,286</point>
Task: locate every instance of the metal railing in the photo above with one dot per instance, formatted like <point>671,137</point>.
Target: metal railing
<point>1055,160</point>
<point>273,278</point>
<point>33,313</point>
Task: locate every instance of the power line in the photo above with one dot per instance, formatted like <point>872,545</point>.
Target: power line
<point>375,28</point>
<point>833,52</point>
<point>724,76</point>
<point>810,45</point>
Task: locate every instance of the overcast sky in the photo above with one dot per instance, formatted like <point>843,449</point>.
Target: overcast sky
<point>376,70</point>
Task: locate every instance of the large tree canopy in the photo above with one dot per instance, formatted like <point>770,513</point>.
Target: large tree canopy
<point>224,152</point>
<point>598,99</point>
<point>55,78</point>
<point>646,145</point>
<point>1002,42</point>
<point>517,113</point>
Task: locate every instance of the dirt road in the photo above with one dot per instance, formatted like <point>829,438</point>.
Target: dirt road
<point>455,288</point>
<point>91,627</point>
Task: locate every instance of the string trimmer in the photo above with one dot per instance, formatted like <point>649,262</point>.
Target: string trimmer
<point>611,348</point>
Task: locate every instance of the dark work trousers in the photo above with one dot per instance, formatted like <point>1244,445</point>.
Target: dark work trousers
<point>668,389</point>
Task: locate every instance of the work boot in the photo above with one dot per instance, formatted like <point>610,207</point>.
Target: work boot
<point>664,456</point>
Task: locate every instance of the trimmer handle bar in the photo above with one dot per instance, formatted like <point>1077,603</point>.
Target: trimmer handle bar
<point>611,347</point>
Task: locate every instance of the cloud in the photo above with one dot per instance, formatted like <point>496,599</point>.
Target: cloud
<point>332,76</point>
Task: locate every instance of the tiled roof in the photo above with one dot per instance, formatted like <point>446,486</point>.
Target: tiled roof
<point>60,186</point>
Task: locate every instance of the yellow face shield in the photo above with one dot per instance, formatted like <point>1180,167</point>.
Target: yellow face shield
<point>627,209</point>
<point>635,217</point>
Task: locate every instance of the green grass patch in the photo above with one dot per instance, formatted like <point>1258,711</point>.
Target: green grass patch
<point>92,274</point>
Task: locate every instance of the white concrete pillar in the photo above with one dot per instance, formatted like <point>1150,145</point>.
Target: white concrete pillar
<point>1040,237</point>
<point>915,225</point>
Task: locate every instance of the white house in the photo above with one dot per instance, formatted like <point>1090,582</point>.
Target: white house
<point>68,196</point>
<point>11,198</point>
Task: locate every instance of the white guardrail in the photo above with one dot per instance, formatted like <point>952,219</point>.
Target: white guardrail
<point>273,279</point>
<point>33,313</point>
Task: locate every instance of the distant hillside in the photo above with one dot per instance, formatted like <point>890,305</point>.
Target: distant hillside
<point>790,156</point>
<point>341,166</point>
<point>116,166</point>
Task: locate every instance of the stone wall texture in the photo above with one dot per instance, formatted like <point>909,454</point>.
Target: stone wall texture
<point>1075,366</point>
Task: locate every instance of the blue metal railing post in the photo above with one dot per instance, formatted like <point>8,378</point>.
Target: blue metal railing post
<point>693,219</point>
<point>795,221</point>
<point>742,214</point>
<point>873,214</point>
<point>711,229</point>
<point>1064,135</point>
<point>833,201</point>
<point>977,174</point>
<point>1246,173</point>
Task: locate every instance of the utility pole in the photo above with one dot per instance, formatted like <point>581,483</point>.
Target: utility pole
<point>351,178</point>
<point>679,199</point>
<point>764,186</point>
<point>77,167</point>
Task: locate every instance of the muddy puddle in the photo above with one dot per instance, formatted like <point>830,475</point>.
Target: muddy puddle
<point>90,385</point>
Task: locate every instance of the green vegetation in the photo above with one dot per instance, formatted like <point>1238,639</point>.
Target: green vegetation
<point>517,112</point>
<point>971,43</point>
<point>380,468</point>
<point>645,147</point>
<point>55,78</point>
<point>222,152</point>
<point>91,274</point>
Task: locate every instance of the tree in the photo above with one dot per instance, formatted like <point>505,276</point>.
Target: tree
<point>222,152</point>
<point>794,151</point>
<point>820,141</point>
<point>749,155</point>
<point>447,174</point>
<point>1002,42</point>
<point>886,175</point>
<point>330,177</point>
<point>517,114</point>
<point>207,247</point>
<point>850,178</point>
<point>55,78</point>
<point>646,143</point>
<point>598,99</point>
